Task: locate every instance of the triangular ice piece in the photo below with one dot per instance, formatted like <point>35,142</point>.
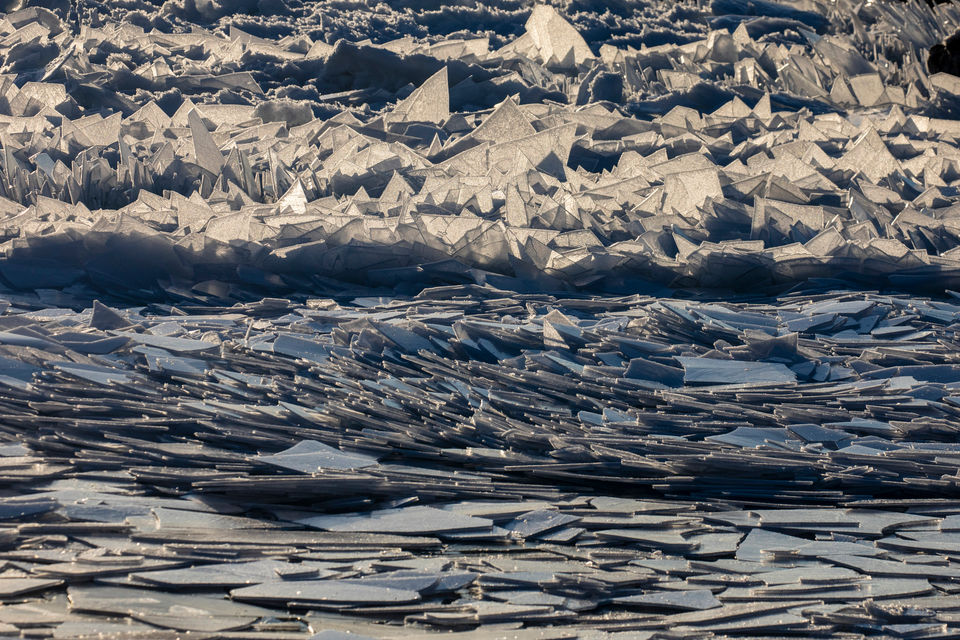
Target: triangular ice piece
<point>208,153</point>
<point>555,38</point>
<point>430,102</point>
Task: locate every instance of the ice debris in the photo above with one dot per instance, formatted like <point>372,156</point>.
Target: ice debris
<point>745,158</point>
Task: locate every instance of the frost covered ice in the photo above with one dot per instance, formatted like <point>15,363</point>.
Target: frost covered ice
<point>505,321</point>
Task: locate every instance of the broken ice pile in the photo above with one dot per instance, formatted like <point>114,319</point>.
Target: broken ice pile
<point>470,457</point>
<point>302,336</point>
<point>773,149</point>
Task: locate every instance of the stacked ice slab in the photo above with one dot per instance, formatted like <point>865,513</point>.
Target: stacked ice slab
<point>473,463</point>
<point>777,147</point>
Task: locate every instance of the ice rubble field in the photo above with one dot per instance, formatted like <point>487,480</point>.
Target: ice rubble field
<point>622,321</point>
